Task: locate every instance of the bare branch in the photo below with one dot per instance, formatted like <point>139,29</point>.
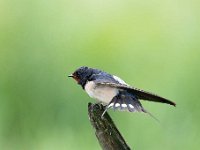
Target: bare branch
<point>106,132</point>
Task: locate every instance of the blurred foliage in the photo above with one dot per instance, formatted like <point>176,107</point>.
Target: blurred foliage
<point>153,45</point>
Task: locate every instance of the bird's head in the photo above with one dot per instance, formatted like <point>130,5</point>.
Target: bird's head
<point>81,75</point>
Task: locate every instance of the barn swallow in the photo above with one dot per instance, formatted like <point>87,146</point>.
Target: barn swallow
<point>113,92</point>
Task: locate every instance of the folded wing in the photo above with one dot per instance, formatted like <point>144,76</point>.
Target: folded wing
<point>143,95</point>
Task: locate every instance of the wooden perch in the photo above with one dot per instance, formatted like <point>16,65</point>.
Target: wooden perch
<point>106,132</point>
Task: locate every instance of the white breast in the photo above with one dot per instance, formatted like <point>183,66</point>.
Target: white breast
<point>102,93</point>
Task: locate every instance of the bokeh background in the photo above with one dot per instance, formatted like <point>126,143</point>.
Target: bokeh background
<point>151,44</point>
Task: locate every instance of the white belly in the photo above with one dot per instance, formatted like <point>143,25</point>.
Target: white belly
<point>102,93</point>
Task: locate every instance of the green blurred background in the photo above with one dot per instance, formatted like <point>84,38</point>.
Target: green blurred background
<point>151,44</point>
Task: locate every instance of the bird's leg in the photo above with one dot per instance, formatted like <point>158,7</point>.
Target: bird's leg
<point>106,108</point>
<point>104,112</point>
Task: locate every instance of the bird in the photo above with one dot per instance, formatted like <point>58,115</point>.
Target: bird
<point>112,92</point>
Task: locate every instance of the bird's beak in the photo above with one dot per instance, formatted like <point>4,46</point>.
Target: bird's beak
<point>71,75</point>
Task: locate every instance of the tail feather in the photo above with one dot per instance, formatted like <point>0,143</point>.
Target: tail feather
<point>127,101</point>
<point>145,111</point>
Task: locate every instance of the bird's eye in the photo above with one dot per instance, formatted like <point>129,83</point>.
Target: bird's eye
<point>77,73</point>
